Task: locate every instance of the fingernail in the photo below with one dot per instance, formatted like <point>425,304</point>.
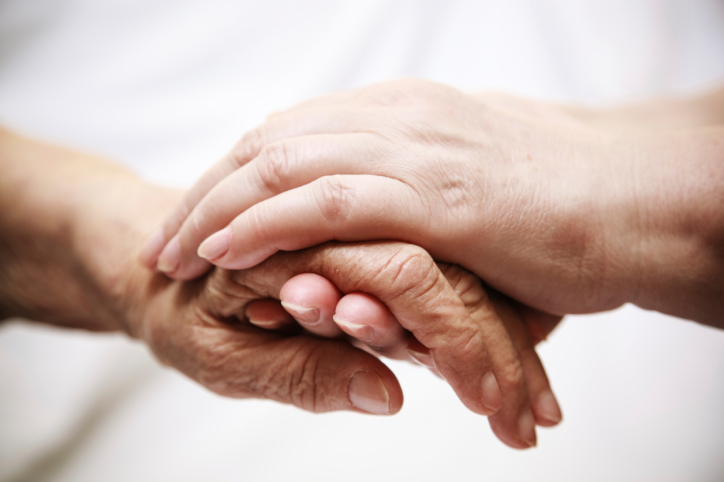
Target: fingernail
<point>266,324</point>
<point>306,315</point>
<point>526,427</point>
<point>216,245</point>
<point>367,392</point>
<point>170,257</point>
<point>363,333</point>
<point>152,247</point>
<point>547,407</point>
<point>491,393</point>
<point>421,358</point>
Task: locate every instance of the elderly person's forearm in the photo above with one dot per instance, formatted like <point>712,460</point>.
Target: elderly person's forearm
<point>73,225</point>
<point>51,199</point>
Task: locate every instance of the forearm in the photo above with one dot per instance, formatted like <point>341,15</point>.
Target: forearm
<point>63,230</point>
<point>676,244</point>
<point>656,203</point>
<point>666,113</point>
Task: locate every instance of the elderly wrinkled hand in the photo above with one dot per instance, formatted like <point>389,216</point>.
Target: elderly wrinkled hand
<point>445,318</point>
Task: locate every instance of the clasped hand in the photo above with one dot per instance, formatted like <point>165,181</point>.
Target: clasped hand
<point>416,162</point>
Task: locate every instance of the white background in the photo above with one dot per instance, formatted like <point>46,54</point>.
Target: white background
<point>167,86</point>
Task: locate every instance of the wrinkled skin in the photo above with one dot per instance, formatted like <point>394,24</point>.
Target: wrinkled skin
<point>201,328</point>
<point>565,210</point>
<point>73,225</point>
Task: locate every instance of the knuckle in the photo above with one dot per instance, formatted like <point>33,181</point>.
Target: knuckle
<point>393,93</point>
<point>256,223</point>
<point>511,376</point>
<point>198,219</point>
<point>334,198</point>
<point>249,146</point>
<point>411,270</point>
<point>178,217</point>
<point>465,284</point>
<point>274,165</point>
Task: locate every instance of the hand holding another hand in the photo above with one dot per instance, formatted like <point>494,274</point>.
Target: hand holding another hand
<point>445,319</point>
<point>562,209</point>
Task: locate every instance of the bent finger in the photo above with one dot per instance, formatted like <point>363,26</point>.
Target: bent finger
<point>316,303</point>
<point>405,278</point>
<point>343,208</point>
<point>269,315</point>
<point>546,410</point>
<point>280,166</point>
<point>287,125</point>
<point>314,374</point>
<point>514,423</point>
<point>312,299</point>
<point>367,319</point>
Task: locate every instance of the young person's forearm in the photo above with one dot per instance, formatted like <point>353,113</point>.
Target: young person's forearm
<point>666,113</point>
<point>674,244</point>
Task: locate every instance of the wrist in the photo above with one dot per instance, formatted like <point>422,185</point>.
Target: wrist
<point>112,224</point>
<point>71,224</point>
<point>668,233</point>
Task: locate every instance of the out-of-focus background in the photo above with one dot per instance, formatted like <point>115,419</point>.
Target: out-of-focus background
<point>167,86</point>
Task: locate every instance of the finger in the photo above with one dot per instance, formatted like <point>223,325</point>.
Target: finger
<point>546,410</point>
<point>270,315</point>
<point>282,126</point>
<point>539,323</point>
<point>311,300</point>
<point>514,424</point>
<point>420,354</point>
<point>316,303</point>
<point>239,360</point>
<point>314,374</point>
<point>405,278</point>
<point>280,166</point>
<point>365,318</point>
<point>343,208</point>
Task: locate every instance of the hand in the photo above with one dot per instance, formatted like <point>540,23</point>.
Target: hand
<point>73,224</point>
<point>200,328</point>
<point>550,210</point>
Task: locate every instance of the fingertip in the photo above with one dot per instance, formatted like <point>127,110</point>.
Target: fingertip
<point>235,258</point>
<point>492,398</point>
<point>268,314</point>
<point>216,245</point>
<point>171,264</point>
<point>367,392</point>
<point>170,257</point>
<point>546,410</point>
<point>309,297</point>
<point>152,249</point>
<point>520,434</point>
<point>309,289</point>
<point>526,428</point>
<point>366,318</point>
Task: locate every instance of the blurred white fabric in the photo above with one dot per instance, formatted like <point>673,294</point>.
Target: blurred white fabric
<point>167,86</point>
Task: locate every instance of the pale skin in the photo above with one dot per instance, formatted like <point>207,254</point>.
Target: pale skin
<point>72,225</point>
<point>566,210</point>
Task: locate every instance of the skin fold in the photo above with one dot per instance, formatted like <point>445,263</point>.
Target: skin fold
<point>72,225</point>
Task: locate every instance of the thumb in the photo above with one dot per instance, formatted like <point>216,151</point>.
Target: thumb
<point>242,361</point>
<point>318,375</point>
